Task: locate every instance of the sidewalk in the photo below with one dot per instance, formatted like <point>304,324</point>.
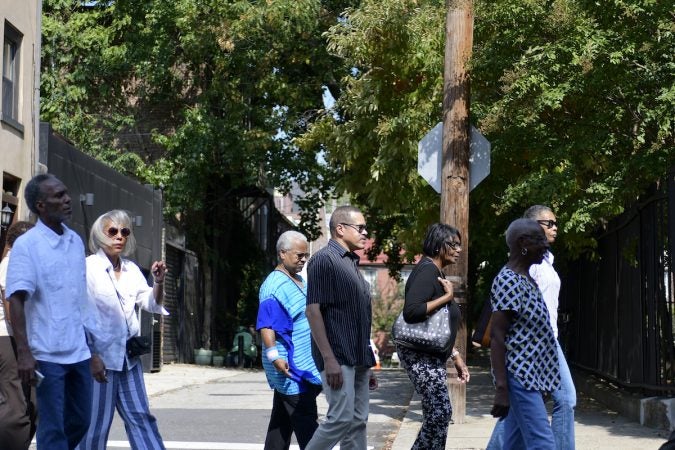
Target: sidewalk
<point>596,427</point>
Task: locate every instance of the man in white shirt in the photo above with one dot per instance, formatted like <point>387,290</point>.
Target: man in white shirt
<point>46,286</point>
<point>565,398</point>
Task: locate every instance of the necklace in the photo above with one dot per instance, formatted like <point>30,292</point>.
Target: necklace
<point>118,265</point>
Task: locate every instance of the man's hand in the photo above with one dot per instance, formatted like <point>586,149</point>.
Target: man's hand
<point>97,367</point>
<point>26,365</point>
<point>333,373</point>
<point>372,381</point>
<point>282,366</point>
<point>500,407</point>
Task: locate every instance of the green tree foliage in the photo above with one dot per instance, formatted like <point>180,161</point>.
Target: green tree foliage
<point>85,76</point>
<point>391,97</point>
<point>233,82</point>
<point>577,98</point>
<point>222,86</point>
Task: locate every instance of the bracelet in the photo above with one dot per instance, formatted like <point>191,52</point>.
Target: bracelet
<point>158,282</point>
<point>272,354</point>
<point>454,354</point>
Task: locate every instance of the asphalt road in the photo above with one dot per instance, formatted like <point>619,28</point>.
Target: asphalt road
<point>233,413</point>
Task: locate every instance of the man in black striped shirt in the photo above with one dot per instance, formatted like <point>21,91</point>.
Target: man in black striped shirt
<point>339,314</point>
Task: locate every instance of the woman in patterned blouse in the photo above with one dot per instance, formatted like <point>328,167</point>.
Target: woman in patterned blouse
<point>523,348</point>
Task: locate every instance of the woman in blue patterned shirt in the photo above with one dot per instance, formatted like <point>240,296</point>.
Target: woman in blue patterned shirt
<point>523,348</point>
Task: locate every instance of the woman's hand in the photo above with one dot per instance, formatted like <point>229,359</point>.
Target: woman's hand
<point>282,367</point>
<point>158,271</point>
<point>447,287</point>
<point>500,406</point>
<point>463,374</point>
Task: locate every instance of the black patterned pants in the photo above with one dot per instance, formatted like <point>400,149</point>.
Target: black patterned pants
<point>429,376</point>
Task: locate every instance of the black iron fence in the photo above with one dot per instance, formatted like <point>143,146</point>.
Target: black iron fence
<point>620,304</point>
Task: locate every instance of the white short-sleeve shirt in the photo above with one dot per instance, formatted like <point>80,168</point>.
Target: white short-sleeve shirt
<point>50,268</point>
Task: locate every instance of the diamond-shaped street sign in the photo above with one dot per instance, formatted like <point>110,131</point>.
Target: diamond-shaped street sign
<point>429,157</point>
<point>479,158</point>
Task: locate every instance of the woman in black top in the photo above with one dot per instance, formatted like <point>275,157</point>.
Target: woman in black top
<point>426,291</point>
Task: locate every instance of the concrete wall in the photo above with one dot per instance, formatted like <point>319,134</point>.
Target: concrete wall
<point>18,144</point>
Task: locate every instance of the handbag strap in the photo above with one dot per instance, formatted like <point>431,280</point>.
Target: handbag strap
<point>119,297</point>
<point>440,272</point>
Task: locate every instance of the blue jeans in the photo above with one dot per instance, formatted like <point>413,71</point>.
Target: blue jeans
<point>564,401</point>
<point>562,422</point>
<point>64,402</point>
<point>526,426</point>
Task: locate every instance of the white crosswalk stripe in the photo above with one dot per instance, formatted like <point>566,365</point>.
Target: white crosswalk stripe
<point>206,445</point>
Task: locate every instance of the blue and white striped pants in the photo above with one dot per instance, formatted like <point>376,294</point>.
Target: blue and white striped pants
<point>125,390</point>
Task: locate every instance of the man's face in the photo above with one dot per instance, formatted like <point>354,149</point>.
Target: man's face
<point>54,205</point>
<point>294,259</point>
<point>351,236</point>
<point>545,219</point>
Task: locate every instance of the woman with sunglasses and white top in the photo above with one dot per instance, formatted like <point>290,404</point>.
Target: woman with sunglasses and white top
<point>116,285</point>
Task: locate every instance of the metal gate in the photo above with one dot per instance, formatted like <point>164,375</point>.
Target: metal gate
<point>622,302</point>
<point>183,327</point>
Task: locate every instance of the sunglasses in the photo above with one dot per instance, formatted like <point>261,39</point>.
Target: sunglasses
<point>113,231</point>
<point>359,228</point>
<point>548,223</point>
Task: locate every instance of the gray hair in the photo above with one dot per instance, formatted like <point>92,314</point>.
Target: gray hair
<point>32,193</point>
<point>517,229</point>
<point>98,237</point>
<point>287,238</point>
<point>342,214</point>
<point>535,211</point>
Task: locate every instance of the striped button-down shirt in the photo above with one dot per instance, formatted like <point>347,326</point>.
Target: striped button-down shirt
<point>335,283</point>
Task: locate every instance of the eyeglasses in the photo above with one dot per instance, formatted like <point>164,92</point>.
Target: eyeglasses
<point>113,231</point>
<point>453,245</point>
<point>548,223</point>
<point>302,255</point>
<point>359,228</point>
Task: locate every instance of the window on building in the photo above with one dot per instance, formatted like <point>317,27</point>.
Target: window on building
<point>10,76</point>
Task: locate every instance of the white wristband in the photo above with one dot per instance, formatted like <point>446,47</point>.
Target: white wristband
<point>272,354</point>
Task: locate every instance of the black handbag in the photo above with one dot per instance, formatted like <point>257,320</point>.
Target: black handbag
<point>138,345</point>
<point>432,335</point>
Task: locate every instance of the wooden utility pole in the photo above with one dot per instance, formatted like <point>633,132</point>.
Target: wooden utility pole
<point>455,171</point>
